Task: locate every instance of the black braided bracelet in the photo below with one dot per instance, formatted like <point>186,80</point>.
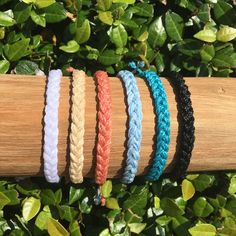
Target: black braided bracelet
<point>186,122</point>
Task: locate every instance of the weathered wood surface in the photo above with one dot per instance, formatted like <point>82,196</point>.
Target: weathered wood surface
<point>21,125</point>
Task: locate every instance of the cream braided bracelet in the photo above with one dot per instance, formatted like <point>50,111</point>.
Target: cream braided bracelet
<point>77,127</point>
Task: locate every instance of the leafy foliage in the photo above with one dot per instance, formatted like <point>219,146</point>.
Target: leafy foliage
<point>194,37</point>
<point>201,204</point>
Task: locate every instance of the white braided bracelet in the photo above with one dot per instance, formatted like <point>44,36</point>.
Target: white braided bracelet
<point>51,126</point>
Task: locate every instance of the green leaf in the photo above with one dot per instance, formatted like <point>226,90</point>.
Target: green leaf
<point>137,228</point>
<point>22,12</point>
<point>204,13</point>
<point>38,19</point>
<point>174,26</point>
<point>124,1</point>
<point>105,17</point>
<point>203,182</point>
<point>206,35</point>
<point>156,33</point>
<point>83,32</point>
<point>56,229</point>
<point>109,57</point>
<point>85,206</point>
<point>75,194</point>
<point>44,3</point>
<point>163,220</point>
<point>143,36</point>
<point>13,195</point>
<point>224,13</point>
<point>137,200</point>
<point>112,203</point>
<point>190,47</point>
<point>180,225</point>
<point>104,5</point>
<point>202,208</point>
<point>16,51</point>
<point>105,232</point>
<point>4,66</point>
<point>48,197</point>
<point>30,209</point>
<point>67,213</point>
<point>25,67</point>
<point>160,64</point>
<point>42,219</point>
<point>118,36</point>
<point>131,217</point>
<point>4,200</point>
<point>231,206</point>
<point>18,232</point>
<point>170,208</point>
<point>106,189</point>
<point>217,202</point>
<point>232,185</point>
<point>58,196</point>
<point>207,53</point>
<point>157,202</point>
<point>28,188</point>
<point>203,230</point>
<point>2,32</point>
<point>226,34</point>
<point>188,190</point>
<point>28,1</point>
<point>226,57</point>
<point>54,13</point>
<point>143,9</point>
<point>71,47</point>
<point>6,20</point>
<point>74,229</point>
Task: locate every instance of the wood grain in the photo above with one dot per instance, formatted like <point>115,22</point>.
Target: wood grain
<point>21,125</point>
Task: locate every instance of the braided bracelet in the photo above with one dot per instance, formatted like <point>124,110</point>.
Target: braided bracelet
<point>51,126</point>
<point>135,125</point>
<point>187,129</point>
<point>77,126</point>
<point>104,126</point>
<point>162,124</point>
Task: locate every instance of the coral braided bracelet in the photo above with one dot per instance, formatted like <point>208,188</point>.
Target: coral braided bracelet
<point>104,126</point>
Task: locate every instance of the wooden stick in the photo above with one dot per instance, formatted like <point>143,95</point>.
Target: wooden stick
<point>21,125</point>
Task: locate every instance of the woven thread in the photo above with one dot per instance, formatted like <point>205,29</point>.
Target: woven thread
<point>104,126</point>
<point>51,126</point>
<point>162,122</point>
<point>187,129</point>
<point>135,126</point>
<point>77,127</point>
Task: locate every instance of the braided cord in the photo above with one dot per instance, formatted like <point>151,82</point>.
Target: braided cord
<point>187,128</point>
<point>77,127</point>
<point>162,122</point>
<point>104,126</point>
<point>51,126</point>
<point>135,125</point>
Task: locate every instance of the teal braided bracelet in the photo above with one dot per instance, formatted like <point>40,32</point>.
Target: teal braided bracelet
<point>162,121</point>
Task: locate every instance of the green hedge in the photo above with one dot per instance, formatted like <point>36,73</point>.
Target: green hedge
<point>194,37</point>
<point>202,203</point>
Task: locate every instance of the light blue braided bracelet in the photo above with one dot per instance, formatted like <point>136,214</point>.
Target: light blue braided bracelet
<point>162,118</point>
<point>135,125</point>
